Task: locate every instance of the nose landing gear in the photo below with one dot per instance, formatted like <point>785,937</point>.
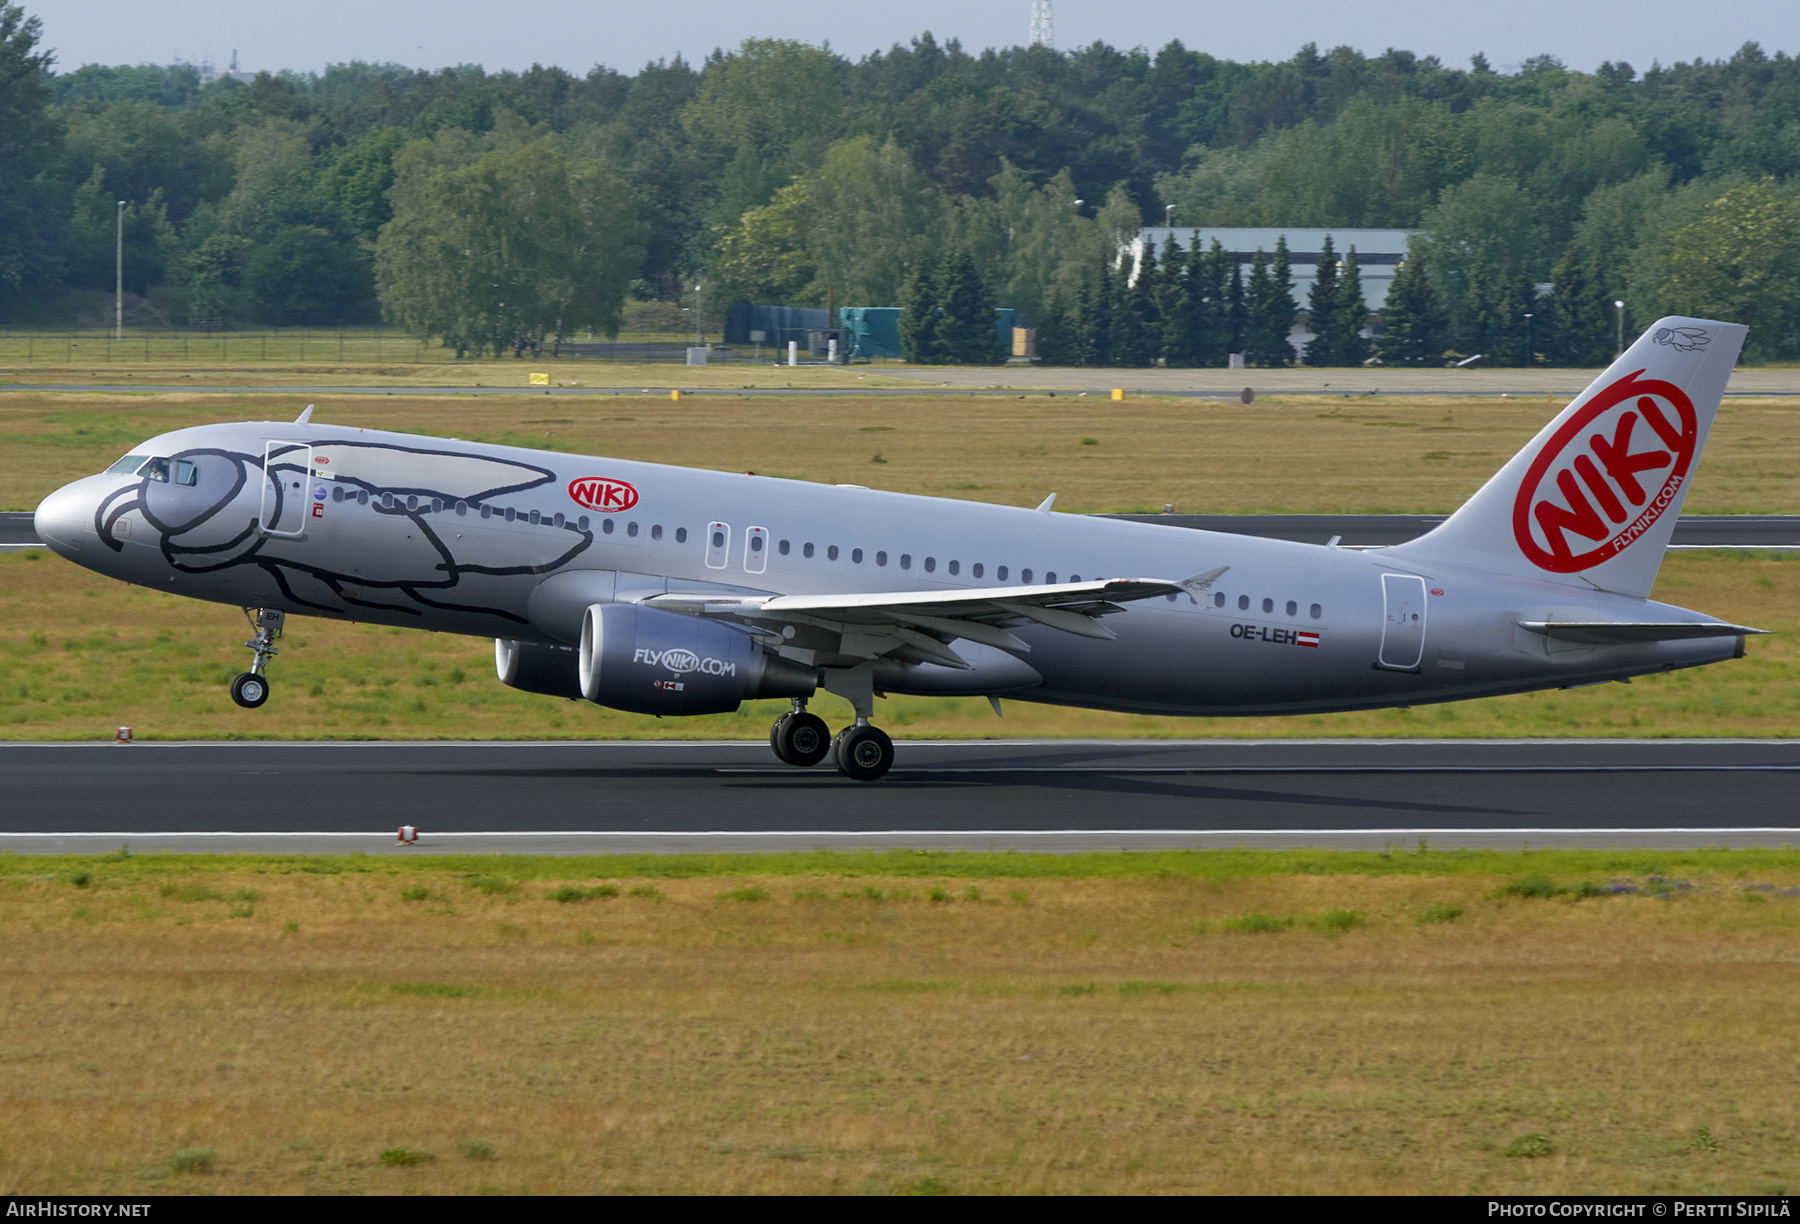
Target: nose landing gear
<point>250,689</point>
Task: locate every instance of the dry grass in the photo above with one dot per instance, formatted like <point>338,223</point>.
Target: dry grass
<point>81,654</point>
<point>1292,454</point>
<point>276,1026</point>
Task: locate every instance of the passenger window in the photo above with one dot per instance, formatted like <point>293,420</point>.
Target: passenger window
<point>1072,578</point>
<point>756,543</point>
<point>930,565</point>
<point>856,555</point>
<point>387,501</point>
<point>681,535</point>
<point>807,551</point>
<point>784,548</point>
<point>1243,603</point>
<point>337,493</point>
<point>1000,574</point>
<point>558,521</point>
<point>412,501</point>
<point>881,558</point>
<point>905,560</point>
<point>487,511</point>
<point>976,569</point>
<point>631,530</point>
<point>831,553</point>
<point>185,473</point>
<point>1317,611</point>
<point>582,522</point>
<point>1218,599</point>
<point>955,566</point>
<point>718,539</point>
<point>1025,577</point>
<point>536,518</point>
<point>656,532</point>
<point>1268,605</point>
<point>129,464</point>
<point>1050,577</point>
<point>462,508</point>
<point>512,513</point>
<point>1292,607</point>
<point>437,506</point>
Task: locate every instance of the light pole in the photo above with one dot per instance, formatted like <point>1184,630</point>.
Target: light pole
<point>1530,359</point>
<point>1168,216</point>
<point>1619,310</point>
<point>698,282</point>
<point>119,283</point>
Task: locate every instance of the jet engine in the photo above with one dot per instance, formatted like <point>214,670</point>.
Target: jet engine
<point>551,670</point>
<point>649,661</point>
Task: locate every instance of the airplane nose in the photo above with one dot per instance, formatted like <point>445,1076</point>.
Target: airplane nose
<point>65,519</point>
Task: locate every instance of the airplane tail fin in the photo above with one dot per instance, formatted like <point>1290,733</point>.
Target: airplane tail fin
<point>1593,499</point>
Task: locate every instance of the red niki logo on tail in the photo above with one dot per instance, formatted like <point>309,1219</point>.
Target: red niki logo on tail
<point>1607,475</point>
<point>599,493</point>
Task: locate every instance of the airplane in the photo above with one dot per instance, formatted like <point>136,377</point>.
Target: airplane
<point>676,591</point>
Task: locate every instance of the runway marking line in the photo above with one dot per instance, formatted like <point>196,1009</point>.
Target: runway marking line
<point>798,833</point>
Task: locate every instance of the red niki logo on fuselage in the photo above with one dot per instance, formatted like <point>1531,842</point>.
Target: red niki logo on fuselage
<point>599,493</point>
<point>1606,476</point>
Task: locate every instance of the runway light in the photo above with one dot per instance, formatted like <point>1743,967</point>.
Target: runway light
<point>408,835</point>
<point>122,735</point>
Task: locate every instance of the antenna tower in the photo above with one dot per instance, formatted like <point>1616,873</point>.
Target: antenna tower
<point>1043,25</point>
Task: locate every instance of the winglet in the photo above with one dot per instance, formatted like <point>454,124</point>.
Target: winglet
<point>1045,505</point>
<point>1201,582</point>
<point>304,417</point>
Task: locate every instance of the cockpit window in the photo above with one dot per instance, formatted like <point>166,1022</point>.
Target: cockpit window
<point>130,463</point>
<point>185,473</point>
<point>157,470</point>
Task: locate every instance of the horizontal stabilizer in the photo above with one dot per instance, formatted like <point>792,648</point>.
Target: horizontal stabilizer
<point>1618,633</point>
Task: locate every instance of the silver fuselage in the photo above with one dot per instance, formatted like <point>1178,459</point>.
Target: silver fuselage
<point>1287,628</point>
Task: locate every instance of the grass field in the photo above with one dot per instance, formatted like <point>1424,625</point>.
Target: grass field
<point>1417,1021</point>
<point>1285,454</point>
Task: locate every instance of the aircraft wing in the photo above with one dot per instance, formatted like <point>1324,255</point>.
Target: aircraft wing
<point>920,624</point>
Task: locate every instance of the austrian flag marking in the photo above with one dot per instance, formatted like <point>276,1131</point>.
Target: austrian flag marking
<point>1606,476</point>
<point>602,494</point>
<point>1308,638</point>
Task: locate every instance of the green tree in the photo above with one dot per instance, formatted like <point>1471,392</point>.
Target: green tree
<point>1322,310</point>
<point>966,323</point>
<point>1412,318</point>
<point>763,258</point>
<point>518,243</point>
<point>30,213</point>
<point>1270,306</point>
<point>870,217</point>
<point>1741,262</point>
<point>921,331</point>
<point>1578,319</point>
<point>1352,316</point>
<point>1175,307</point>
<point>306,275</point>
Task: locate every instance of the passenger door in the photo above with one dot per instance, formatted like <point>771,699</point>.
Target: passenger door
<point>1403,624</point>
<point>286,489</point>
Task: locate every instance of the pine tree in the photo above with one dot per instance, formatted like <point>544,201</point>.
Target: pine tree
<point>966,329</point>
<point>1082,348</point>
<point>1057,343</point>
<point>1352,316</point>
<point>1237,312</point>
<point>1412,319</point>
<point>920,339</point>
<point>1103,336</point>
<point>1578,323</point>
<point>1279,317</point>
<point>1146,322</point>
<point>1322,310</point>
<point>1270,308</point>
<point>1174,307</point>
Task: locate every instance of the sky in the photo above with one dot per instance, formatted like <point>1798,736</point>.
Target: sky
<point>625,36</point>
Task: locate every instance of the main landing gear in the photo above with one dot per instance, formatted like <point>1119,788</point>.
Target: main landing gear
<point>250,689</point>
<point>860,751</point>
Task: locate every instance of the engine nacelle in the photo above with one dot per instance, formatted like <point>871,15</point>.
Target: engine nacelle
<point>551,670</point>
<point>649,661</point>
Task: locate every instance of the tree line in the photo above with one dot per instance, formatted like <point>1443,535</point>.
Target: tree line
<point>783,172</point>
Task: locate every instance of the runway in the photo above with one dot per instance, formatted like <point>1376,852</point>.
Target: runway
<point>1052,796</point>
